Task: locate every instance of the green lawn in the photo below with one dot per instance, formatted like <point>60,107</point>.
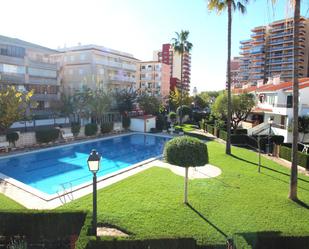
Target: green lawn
<point>8,204</point>
<point>149,204</point>
<point>186,127</point>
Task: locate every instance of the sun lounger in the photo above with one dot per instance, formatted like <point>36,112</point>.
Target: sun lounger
<point>4,146</point>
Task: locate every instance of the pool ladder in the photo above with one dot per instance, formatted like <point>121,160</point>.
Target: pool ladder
<point>65,192</point>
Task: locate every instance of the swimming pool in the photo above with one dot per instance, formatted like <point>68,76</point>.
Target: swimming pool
<point>55,169</point>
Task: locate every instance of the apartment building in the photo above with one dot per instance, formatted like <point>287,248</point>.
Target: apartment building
<point>168,56</point>
<point>153,78</point>
<point>235,67</point>
<point>269,52</point>
<point>95,67</point>
<point>28,67</point>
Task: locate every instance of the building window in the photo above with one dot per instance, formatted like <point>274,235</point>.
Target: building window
<point>82,57</point>
<point>81,71</point>
<point>72,58</point>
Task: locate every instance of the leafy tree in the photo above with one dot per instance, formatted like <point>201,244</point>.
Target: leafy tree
<point>125,99</point>
<point>181,46</point>
<point>176,99</point>
<point>149,104</point>
<point>13,106</point>
<point>219,6</point>
<point>81,98</point>
<point>185,110</point>
<point>65,106</point>
<point>99,103</point>
<point>186,152</point>
<point>240,109</point>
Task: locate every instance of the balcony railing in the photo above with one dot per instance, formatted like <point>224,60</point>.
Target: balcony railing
<point>12,78</point>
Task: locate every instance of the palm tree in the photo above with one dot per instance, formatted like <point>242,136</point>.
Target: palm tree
<point>219,6</point>
<point>294,163</point>
<point>181,45</point>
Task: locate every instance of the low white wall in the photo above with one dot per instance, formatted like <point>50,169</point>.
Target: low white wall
<point>137,124</point>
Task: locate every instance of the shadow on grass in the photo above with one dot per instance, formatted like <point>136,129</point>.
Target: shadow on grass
<point>265,167</point>
<point>208,221</point>
<point>302,204</point>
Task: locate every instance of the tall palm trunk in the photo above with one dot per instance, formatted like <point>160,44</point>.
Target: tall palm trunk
<point>293,178</point>
<point>181,86</point>
<point>229,104</point>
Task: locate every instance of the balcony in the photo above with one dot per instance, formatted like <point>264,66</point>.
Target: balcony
<point>281,34</point>
<point>256,34</point>
<point>43,81</point>
<point>123,79</point>
<point>45,97</point>
<point>12,78</point>
<point>43,65</point>
<point>245,41</point>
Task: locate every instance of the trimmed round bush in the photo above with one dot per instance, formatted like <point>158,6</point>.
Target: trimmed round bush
<point>47,135</point>
<point>91,129</point>
<point>107,127</point>
<point>278,140</point>
<point>75,128</point>
<point>12,137</point>
<point>186,151</point>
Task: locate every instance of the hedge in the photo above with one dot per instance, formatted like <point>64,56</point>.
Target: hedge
<point>223,134</point>
<point>126,121</point>
<point>91,129</point>
<point>241,131</point>
<point>51,229</point>
<point>210,129</point>
<point>106,127</point>
<point>269,240</point>
<point>185,243</point>
<point>303,158</point>
<point>47,135</point>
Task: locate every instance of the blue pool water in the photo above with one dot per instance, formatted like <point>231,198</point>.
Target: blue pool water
<point>51,170</point>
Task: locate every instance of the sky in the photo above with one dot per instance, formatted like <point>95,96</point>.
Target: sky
<point>141,26</point>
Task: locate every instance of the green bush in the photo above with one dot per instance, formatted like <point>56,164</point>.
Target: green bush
<point>75,128</point>
<point>38,225</point>
<point>107,127</point>
<point>240,139</point>
<point>223,134</point>
<point>126,121</point>
<point>210,129</point>
<point>160,122</point>
<point>186,151</point>
<point>91,129</point>
<point>184,243</point>
<point>196,135</point>
<point>303,158</point>
<point>241,131</point>
<point>47,135</point>
<point>12,137</point>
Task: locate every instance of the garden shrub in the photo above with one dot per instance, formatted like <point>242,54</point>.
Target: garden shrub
<point>278,140</point>
<point>303,158</point>
<point>12,137</point>
<point>210,129</point>
<point>91,129</point>
<point>126,121</point>
<point>160,122</point>
<point>75,128</point>
<point>106,127</point>
<point>239,139</point>
<point>186,151</point>
<point>153,130</point>
<point>223,134</point>
<point>241,131</point>
<point>47,135</point>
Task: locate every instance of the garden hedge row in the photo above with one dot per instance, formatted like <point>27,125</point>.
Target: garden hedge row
<point>303,158</point>
<point>269,240</point>
<point>223,135</point>
<point>41,225</point>
<point>47,135</point>
<point>210,129</point>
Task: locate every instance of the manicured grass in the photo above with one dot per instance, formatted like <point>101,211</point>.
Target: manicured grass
<point>186,127</point>
<point>149,204</point>
<point>8,204</point>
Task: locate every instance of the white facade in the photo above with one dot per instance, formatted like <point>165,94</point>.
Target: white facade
<point>143,123</point>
